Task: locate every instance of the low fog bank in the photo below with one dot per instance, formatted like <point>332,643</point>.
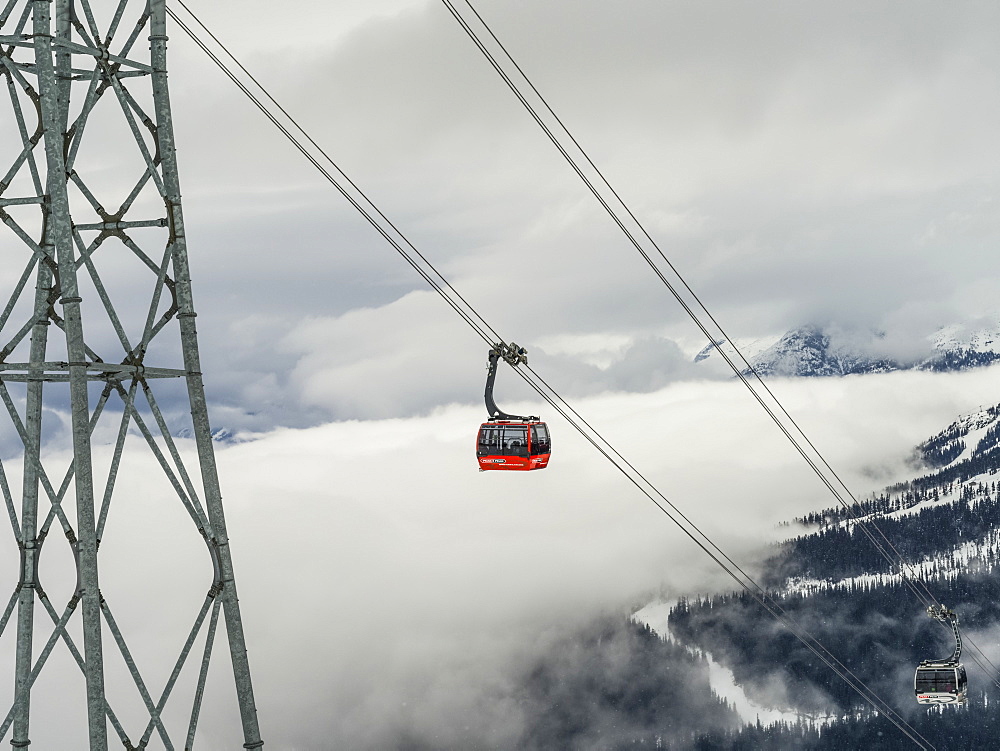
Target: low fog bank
<point>414,590</point>
<point>395,597</point>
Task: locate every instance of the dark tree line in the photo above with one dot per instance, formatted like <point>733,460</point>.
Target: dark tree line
<point>959,360</point>
<point>898,498</point>
<point>972,728</point>
<point>881,633</point>
<point>840,552</point>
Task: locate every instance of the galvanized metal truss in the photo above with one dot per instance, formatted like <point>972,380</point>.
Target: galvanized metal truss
<point>68,71</point>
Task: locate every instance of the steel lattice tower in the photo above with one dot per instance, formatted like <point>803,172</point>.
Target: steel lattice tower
<point>100,320</point>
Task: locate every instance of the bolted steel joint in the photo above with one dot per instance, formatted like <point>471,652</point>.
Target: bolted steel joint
<point>30,553</point>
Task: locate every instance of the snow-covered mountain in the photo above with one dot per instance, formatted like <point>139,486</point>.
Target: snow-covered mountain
<point>958,464</point>
<point>831,350</point>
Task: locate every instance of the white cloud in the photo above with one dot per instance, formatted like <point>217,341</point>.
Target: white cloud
<point>413,588</point>
<point>389,590</point>
<point>795,164</point>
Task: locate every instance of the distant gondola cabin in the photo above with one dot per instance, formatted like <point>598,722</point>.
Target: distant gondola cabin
<point>940,683</point>
<point>513,445</point>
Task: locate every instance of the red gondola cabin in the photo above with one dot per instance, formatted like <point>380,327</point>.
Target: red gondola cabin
<point>513,445</point>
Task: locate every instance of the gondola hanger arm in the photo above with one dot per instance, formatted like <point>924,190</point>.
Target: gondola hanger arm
<point>513,355</point>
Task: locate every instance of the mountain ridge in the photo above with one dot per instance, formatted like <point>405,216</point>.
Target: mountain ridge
<point>815,350</point>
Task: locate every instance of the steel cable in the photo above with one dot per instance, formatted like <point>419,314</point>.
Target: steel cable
<point>816,461</point>
<point>359,200</point>
<point>479,325</point>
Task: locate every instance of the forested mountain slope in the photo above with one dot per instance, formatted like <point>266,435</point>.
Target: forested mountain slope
<point>616,685</point>
<point>945,523</point>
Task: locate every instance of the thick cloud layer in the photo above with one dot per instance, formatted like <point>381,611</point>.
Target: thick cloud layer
<point>390,591</point>
<point>413,589</point>
<point>799,164</point>
<point>392,594</point>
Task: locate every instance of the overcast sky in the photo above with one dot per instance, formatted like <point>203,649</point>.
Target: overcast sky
<point>799,162</point>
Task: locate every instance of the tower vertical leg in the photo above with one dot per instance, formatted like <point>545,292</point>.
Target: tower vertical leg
<point>30,546</point>
<point>59,233</point>
<point>192,364</point>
